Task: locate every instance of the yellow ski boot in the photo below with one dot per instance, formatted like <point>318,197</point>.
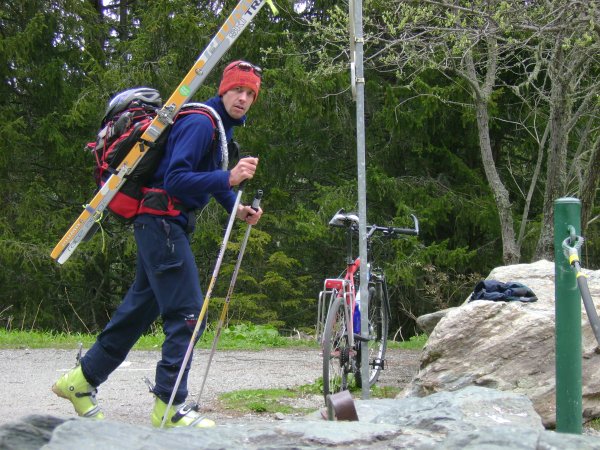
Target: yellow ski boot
<point>74,387</point>
<point>183,415</point>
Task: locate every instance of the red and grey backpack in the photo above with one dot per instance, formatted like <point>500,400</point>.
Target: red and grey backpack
<point>127,116</point>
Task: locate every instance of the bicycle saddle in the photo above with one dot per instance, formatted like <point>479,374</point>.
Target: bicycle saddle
<point>343,219</point>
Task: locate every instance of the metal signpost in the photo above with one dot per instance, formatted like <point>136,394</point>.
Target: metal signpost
<point>358,92</point>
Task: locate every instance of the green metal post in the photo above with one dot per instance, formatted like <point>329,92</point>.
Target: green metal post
<point>567,213</point>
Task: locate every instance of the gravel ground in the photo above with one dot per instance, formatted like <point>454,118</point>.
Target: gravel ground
<point>29,374</point>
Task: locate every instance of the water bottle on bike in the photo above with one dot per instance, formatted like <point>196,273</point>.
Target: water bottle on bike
<point>356,314</point>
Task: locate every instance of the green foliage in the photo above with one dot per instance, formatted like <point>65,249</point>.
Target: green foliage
<point>250,336</point>
<point>61,61</point>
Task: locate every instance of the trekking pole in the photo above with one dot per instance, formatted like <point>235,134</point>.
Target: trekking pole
<point>571,247</point>
<point>211,285</point>
<point>255,205</point>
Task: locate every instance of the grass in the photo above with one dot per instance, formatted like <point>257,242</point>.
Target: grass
<point>39,339</point>
<point>267,401</point>
<point>242,337</point>
<point>414,343</point>
<point>238,337</point>
<point>271,401</point>
<point>594,424</point>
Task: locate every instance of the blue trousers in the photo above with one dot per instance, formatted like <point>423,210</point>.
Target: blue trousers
<point>166,284</point>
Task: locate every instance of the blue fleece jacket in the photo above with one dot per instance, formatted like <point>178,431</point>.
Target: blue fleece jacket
<point>191,168</point>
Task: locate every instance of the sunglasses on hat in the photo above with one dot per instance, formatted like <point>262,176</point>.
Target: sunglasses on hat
<point>248,67</point>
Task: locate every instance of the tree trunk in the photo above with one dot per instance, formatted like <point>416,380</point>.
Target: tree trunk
<point>123,20</point>
<point>589,186</point>
<point>98,6</point>
<point>481,94</point>
<point>557,156</point>
<point>510,252</point>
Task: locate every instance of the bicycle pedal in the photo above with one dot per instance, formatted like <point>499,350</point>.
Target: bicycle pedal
<point>378,363</point>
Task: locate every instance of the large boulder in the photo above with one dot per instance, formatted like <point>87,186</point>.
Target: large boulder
<point>508,346</point>
<point>473,417</point>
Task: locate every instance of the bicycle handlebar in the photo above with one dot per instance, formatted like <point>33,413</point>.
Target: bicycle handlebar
<point>350,220</point>
<point>393,230</point>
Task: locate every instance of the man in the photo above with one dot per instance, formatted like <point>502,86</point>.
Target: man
<point>166,282</point>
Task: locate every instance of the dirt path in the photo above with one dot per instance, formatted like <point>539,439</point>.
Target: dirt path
<point>28,375</point>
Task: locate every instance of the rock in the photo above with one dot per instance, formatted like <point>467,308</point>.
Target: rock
<point>509,346</point>
<point>473,418</point>
<point>29,434</point>
<point>427,322</point>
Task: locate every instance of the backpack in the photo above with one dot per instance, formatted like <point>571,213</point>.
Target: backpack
<point>128,115</point>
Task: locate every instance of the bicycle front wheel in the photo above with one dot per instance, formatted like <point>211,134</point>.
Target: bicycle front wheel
<point>336,349</point>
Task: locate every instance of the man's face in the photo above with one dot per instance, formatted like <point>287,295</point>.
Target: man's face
<point>237,101</point>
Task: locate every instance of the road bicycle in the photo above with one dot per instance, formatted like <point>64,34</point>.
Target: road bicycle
<point>338,316</point>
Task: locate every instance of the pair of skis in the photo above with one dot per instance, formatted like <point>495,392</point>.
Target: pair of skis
<point>86,223</point>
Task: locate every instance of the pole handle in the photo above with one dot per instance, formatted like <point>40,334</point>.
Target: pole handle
<point>257,198</point>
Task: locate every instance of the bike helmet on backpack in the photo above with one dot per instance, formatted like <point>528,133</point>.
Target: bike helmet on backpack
<point>122,100</point>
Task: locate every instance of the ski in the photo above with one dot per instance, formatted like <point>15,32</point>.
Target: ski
<point>92,214</point>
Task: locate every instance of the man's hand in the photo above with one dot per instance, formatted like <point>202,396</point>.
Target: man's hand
<point>243,170</point>
<point>248,214</point>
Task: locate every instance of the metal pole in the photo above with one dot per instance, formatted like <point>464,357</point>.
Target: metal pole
<point>358,84</point>
<point>567,213</point>
<point>207,298</point>
<point>236,269</point>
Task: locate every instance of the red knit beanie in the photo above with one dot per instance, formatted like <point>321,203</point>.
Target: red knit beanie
<point>240,73</point>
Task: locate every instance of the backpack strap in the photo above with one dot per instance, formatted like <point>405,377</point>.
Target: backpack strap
<point>157,201</point>
<point>215,118</point>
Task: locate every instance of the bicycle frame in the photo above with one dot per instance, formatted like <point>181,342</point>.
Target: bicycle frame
<point>344,288</point>
<point>340,287</point>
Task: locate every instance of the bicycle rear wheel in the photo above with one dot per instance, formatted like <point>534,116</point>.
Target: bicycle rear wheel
<point>336,349</point>
<point>378,331</point>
